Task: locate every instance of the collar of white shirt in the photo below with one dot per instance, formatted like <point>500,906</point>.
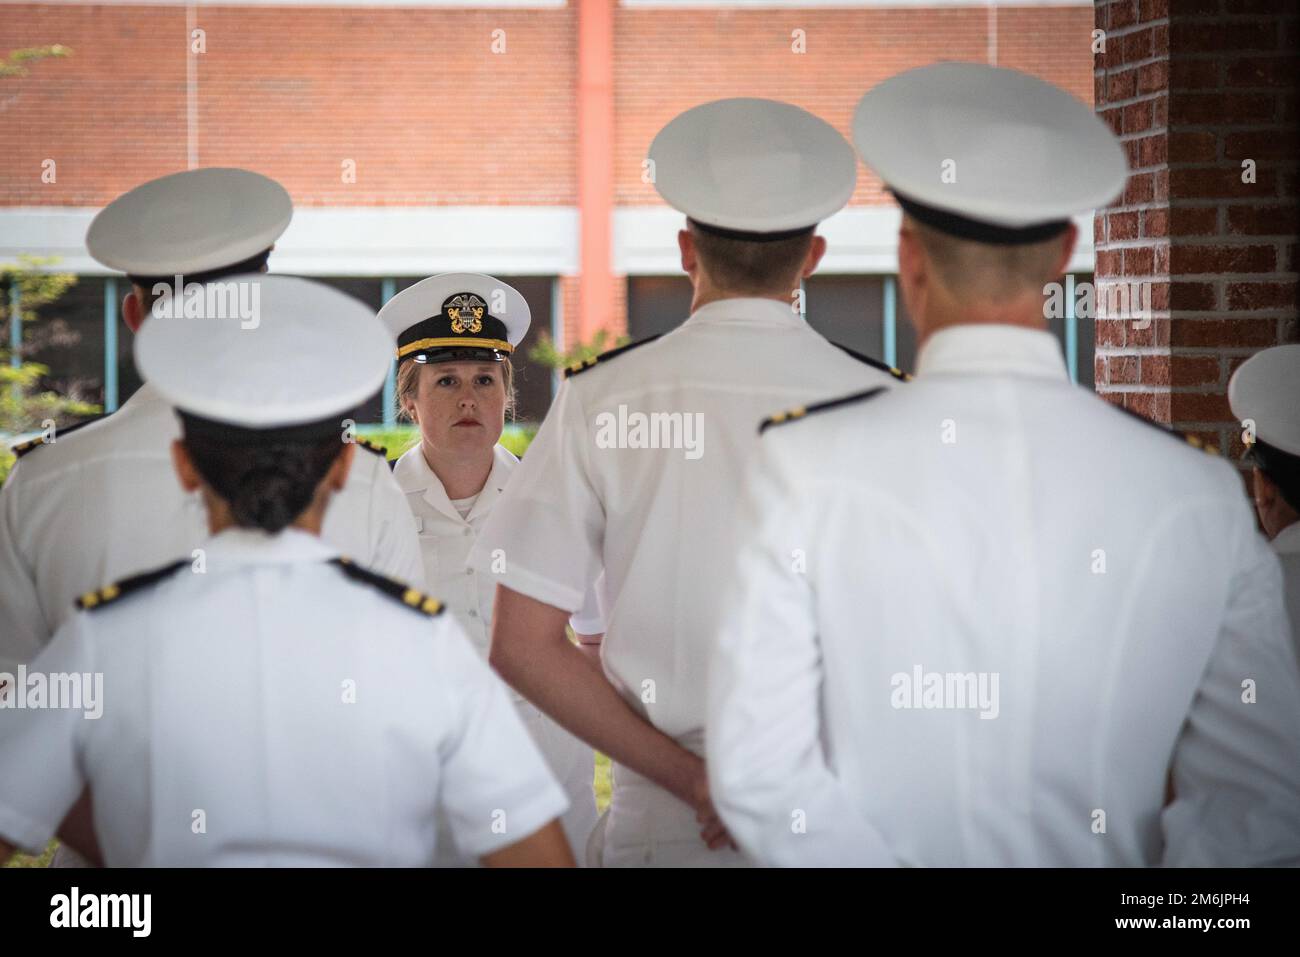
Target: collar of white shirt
<point>1287,541</point>
<point>145,395</point>
<point>991,349</point>
<point>414,477</point>
<point>237,546</point>
<point>146,401</point>
<point>746,309</point>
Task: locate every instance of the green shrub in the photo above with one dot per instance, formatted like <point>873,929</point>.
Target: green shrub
<point>516,437</point>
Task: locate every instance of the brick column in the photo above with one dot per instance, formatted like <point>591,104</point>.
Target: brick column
<point>615,319</point>
<point>595,165</point>
<point>1194,88</point>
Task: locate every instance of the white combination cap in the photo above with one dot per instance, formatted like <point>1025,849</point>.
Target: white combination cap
<point>457,316</point>
<point>753,169</point>
<point>190,223</point>
<point>1265,390</point>
<point>267,353</point>
<point>987,153</point>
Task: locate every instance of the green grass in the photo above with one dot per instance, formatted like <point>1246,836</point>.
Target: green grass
<point>516,437</point>
<point>24,860</point>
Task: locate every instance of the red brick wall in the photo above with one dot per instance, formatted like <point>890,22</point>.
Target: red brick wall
<point>414,96</point>
<point>1221,253</point>
<point>428,113</point>
<point>667,62</point>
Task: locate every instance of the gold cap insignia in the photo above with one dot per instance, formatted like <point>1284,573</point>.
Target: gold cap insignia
<point>466,311</point>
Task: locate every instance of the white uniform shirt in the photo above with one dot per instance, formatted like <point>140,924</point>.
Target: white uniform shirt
<point>311,718</point>
<point>992,520</point>
<point>446,538</point>
<point>1287,545</point>
<point>103,502</point>
<point>656,519</point>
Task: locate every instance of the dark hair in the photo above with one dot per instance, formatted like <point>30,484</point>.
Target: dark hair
<point>1280,468</point>
<point>739,265</point>
<point>266,484</point>
<point>255,263</point>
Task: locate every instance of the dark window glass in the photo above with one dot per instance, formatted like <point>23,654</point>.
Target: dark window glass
<point>68,337</point>
<point>1087,339</point>
<point>905,335</point>
<point>367,290</point>
<point>848,310</point>
<point>656,304</point>
<point>845,309</point>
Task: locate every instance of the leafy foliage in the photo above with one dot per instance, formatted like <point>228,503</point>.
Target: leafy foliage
<point>24,405</point>
<point>548,355</point>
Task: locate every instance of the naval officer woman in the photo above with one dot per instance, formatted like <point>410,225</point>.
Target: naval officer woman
<point>455,334</point>
<point>265,700</point>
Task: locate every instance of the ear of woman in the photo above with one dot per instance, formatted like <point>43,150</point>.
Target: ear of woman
<point>184,466</point>
<point>337,476</point>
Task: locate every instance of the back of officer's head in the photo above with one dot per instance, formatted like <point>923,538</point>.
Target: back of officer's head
<point>266,398</point>
<point>148,290</point>
<point>972,272</point>
<point>740,267</point>
<point>194,226</point>
<point>990,166</point>
<point>1277,486</point>
<point>1264,395</point>
<point>264,485</point>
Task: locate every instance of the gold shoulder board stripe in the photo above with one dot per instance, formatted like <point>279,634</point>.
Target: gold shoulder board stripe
<point>586,364</point>
<point>372,447</point>
<point>1194,441</point>
<point>409,597</point>
<point>22,448</point>
<point>897,373</point>
<point>127,586</point>
<point>803,411</point>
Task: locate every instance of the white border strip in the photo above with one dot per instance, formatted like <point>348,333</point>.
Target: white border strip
<point>512,240</point>
<point>352,241</point>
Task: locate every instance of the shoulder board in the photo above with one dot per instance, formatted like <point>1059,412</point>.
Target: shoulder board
<point>898,374</point>
<point>1193,440</point>
<point>802,411</point>
<point>371,446</point>
<point>412,598</point>
<point>127,586</point>
<point>22,448</point>
<point>586,364</point>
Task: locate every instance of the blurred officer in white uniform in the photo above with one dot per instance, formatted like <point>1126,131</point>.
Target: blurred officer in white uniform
<point>1004,640</point>
<point>1264,394</point>
<point>455,335</point>
<point>99,502</point>
<point>640,452</point>
<point>272,702</point>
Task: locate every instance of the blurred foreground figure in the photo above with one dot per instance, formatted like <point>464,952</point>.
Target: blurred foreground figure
<point>266,701</point>
<point>1038,631</point>
<point>1264,394</point>
<point>99,501</point>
